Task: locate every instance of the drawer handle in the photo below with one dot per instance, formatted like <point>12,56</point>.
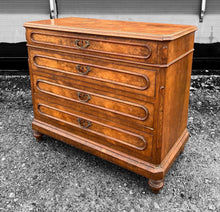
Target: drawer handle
<point>83,97</point>
<point>81,44</point>
<point>83,70</point>
<point>84,123</point>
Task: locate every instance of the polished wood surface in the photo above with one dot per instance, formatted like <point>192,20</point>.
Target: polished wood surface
<point>103,106</point>
<point>118,90</point>
<point>143,30</point>
<point>118,76</point>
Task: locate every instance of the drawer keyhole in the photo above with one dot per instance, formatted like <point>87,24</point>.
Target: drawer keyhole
<point>82,44</point>
<point>83,97</point>
<point>84,123</point>
<point>83,70</point>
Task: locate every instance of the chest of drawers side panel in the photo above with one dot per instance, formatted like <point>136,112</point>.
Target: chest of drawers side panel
<point>176,100</point>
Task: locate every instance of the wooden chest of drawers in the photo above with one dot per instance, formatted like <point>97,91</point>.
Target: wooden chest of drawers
<point>116,89</point>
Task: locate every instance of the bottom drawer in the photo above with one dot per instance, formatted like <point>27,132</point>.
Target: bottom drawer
<point>132,142</point>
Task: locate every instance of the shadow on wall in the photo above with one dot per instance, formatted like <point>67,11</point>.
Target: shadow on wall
<point>13,56</point>
<point>206,56</point>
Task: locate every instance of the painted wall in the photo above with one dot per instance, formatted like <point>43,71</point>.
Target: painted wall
<point>14,13</point>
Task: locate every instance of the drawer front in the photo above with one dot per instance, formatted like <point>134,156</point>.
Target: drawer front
<point>82,100</point>
<point>118,48</point>
<point>132,143</point>
<point>104,73</point>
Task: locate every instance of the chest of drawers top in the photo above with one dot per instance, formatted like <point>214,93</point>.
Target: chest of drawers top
<point>126,29</point>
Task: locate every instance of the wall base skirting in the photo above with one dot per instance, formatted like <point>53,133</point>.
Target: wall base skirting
<point>13,56</point>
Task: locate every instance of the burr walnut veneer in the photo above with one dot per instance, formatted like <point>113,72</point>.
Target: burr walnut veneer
<point>116,89</point>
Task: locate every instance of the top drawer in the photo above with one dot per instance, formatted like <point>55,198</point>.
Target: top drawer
<point>117,48</point>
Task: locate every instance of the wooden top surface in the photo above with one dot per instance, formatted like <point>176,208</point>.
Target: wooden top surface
<point>128,29</point>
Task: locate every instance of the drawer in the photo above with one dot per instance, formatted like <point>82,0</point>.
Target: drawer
<point>133,50</point>
<point>101,106</point>
<point>130,142</point>
<point>105,73</point>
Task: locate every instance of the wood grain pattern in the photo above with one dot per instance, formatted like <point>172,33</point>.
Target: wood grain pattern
<point>154,31</point>
<point>103,74</point>
<point>127,78</point>
<point>103,106</point>
<point>135,50</point>
<point>131,142</point>
<point>118,90</point>
<point>112,47</point>
<point>97,128</point>
<point>177,92</point>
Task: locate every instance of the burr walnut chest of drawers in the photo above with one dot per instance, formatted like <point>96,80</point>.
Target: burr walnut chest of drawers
<point>116,89</point>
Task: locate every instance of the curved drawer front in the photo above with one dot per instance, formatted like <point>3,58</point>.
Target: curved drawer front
<point>105,73</point>
<point>113,137</point>
<point>89,102</point>
<point>117,48</point>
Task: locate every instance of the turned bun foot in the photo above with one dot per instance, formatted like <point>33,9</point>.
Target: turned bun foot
<point>156,185</point>
<point>37,135</point>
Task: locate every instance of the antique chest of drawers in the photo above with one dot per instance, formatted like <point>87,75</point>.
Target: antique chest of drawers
<point>116,89</point>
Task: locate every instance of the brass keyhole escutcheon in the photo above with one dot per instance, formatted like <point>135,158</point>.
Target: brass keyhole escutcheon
<point>83,97</point>
<point>84,123</point>
<point>83,69</point>
<point>82,44</point>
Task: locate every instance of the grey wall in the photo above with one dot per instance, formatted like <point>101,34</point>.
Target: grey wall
<point>113,6</point>
<point>24,6</point>
<point>14,13</point>
<point>129,6</point>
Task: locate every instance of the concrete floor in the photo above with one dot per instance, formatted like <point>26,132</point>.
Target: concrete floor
<point>52,176</point>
